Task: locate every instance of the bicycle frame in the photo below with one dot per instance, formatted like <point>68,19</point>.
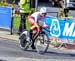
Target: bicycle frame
<point>36,34</point>
<point>40,24</point>
<point>41,30</point>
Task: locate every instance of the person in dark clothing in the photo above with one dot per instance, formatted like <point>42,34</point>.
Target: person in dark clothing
<point>23,22</point>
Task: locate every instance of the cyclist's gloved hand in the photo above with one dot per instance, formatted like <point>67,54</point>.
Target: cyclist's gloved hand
<point>35,26</point>
<point>45,25</point>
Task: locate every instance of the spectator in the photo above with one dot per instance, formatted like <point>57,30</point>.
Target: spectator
<point>61,3</point>
<point>5,3</point>
<point>55,3</point>
<point>24,11</point>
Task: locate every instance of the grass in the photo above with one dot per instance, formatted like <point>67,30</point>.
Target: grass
<point>16,22</point>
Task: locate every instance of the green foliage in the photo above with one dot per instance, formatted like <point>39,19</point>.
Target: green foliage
<point>56,44</point>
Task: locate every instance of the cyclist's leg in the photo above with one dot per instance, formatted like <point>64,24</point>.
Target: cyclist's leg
<point>32,34</point>
<point>31,21</point>
<point>33,41</point>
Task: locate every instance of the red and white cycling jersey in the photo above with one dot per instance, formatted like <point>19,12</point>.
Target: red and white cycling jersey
<point>35,17</point>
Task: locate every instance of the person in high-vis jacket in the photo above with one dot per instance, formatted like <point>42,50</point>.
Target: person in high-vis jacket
<point>24,11</point>
<point>64,13</point>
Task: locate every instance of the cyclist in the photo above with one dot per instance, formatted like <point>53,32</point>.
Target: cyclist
<point>33,19</point>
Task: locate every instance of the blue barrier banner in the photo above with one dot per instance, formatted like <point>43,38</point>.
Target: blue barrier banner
<point>5,17</point>
<point>61,28</point>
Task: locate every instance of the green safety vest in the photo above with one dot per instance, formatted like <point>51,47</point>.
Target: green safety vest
<point>25,8</point>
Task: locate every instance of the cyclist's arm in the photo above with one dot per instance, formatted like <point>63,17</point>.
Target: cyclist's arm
<point>33,22</point>
<point>35,25</point>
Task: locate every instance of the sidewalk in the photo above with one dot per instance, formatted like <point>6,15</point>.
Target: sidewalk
<point>7,35</point>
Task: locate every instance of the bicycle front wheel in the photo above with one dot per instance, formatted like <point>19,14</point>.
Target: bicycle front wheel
<point>42,43</point>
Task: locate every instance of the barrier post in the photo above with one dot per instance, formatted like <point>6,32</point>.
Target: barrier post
<point>12,23</point>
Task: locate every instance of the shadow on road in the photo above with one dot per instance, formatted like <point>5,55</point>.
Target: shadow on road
<point>30,50</point>
<point>2,60</point>
<point>60,54</point>
<point>48,53</point>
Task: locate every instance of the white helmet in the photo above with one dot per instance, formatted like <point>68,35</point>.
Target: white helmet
<point>43,10</point>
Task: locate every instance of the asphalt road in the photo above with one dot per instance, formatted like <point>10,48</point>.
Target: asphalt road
<point>10,51</point>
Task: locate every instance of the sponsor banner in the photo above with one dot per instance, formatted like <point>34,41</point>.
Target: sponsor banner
<point>5,17</point>
<point>61,28</point>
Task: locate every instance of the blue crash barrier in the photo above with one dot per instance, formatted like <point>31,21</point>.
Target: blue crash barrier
<point>6,17</point>
<point>61,28</point>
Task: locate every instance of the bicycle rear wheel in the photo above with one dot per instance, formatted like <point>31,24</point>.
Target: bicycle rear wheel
<point>24,45</point>
<point>42,43</point>
<point>24,41</point>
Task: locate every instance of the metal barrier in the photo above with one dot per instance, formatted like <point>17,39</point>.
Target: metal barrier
<point>53,13</point>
